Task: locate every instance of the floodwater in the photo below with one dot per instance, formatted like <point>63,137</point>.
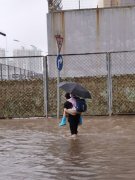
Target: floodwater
<point>37,149</point>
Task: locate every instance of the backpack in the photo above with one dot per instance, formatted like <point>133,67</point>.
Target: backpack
<point>81,105</point>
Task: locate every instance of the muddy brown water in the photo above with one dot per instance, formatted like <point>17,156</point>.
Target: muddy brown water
<point>37,149</point>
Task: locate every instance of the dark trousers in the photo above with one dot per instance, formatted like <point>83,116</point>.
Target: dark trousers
<point>73,123</point>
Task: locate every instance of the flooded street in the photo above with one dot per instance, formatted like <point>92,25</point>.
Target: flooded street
<point>37,149</point>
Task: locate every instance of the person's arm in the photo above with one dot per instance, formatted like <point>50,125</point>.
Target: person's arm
<point>68,108</point>
<point>70,111</point>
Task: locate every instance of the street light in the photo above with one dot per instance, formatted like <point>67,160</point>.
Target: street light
<point>37,51</point>
<point>16,40</point>
<point>33,46</point>
<point>4,34</point>
<point>5,59</point>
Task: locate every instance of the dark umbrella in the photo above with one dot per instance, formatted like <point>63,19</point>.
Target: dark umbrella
<point>75,89</point>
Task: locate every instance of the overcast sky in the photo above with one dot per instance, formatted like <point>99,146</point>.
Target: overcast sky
<point>25,20</point>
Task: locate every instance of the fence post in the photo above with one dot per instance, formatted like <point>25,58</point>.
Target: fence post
<point>25,73</point>
<point>20,73</point>
<point>8,72</point>
<point>109,84</point>
<point>1,71</point>
<point>15,72</point>
<point>45,85</point>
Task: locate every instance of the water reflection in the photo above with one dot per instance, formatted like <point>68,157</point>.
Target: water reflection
<point>38,149</point>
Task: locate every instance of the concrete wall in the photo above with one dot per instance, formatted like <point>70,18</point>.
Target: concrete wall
<point>92,30</point>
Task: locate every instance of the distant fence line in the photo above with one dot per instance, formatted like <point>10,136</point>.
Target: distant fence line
<point>9,72</point>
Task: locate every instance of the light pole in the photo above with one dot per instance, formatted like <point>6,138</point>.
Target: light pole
<point>37,63</point>
<point>20,52</point>
<point>33,46</point>
<point>34,51</point>
<point>16,40</point>
<point>38,51</point>
<point>31,62</point>
<point>4,34</point>
<point>5,59</point>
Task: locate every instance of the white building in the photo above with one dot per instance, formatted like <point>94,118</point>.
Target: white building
<point>2,54</point>
<point>28,63</point>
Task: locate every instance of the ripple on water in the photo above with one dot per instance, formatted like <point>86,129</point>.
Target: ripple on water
<point>103,150</point>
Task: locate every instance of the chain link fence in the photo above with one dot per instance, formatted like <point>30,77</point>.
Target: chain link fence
<point>22,92</point>
<point>8,72</point>
<point>90,70</point>
<point>110,77</point>
<point>123,82</point>
<point>20,68</point>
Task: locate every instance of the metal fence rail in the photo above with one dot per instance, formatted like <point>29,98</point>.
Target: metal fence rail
<point>110,77</point>
<point>22,68</point>
<point>8,72</point>
<point>22,90</point>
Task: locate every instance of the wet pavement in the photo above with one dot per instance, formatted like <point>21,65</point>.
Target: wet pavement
<point>38,149</point>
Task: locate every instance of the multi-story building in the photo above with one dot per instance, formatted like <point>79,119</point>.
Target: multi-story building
<point>2,54</point>
<point>29,62</point>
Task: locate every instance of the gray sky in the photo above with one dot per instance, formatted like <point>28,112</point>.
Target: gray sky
<point>24,20</point>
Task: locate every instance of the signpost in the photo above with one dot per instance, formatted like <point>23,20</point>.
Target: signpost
<point>59,62</point>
